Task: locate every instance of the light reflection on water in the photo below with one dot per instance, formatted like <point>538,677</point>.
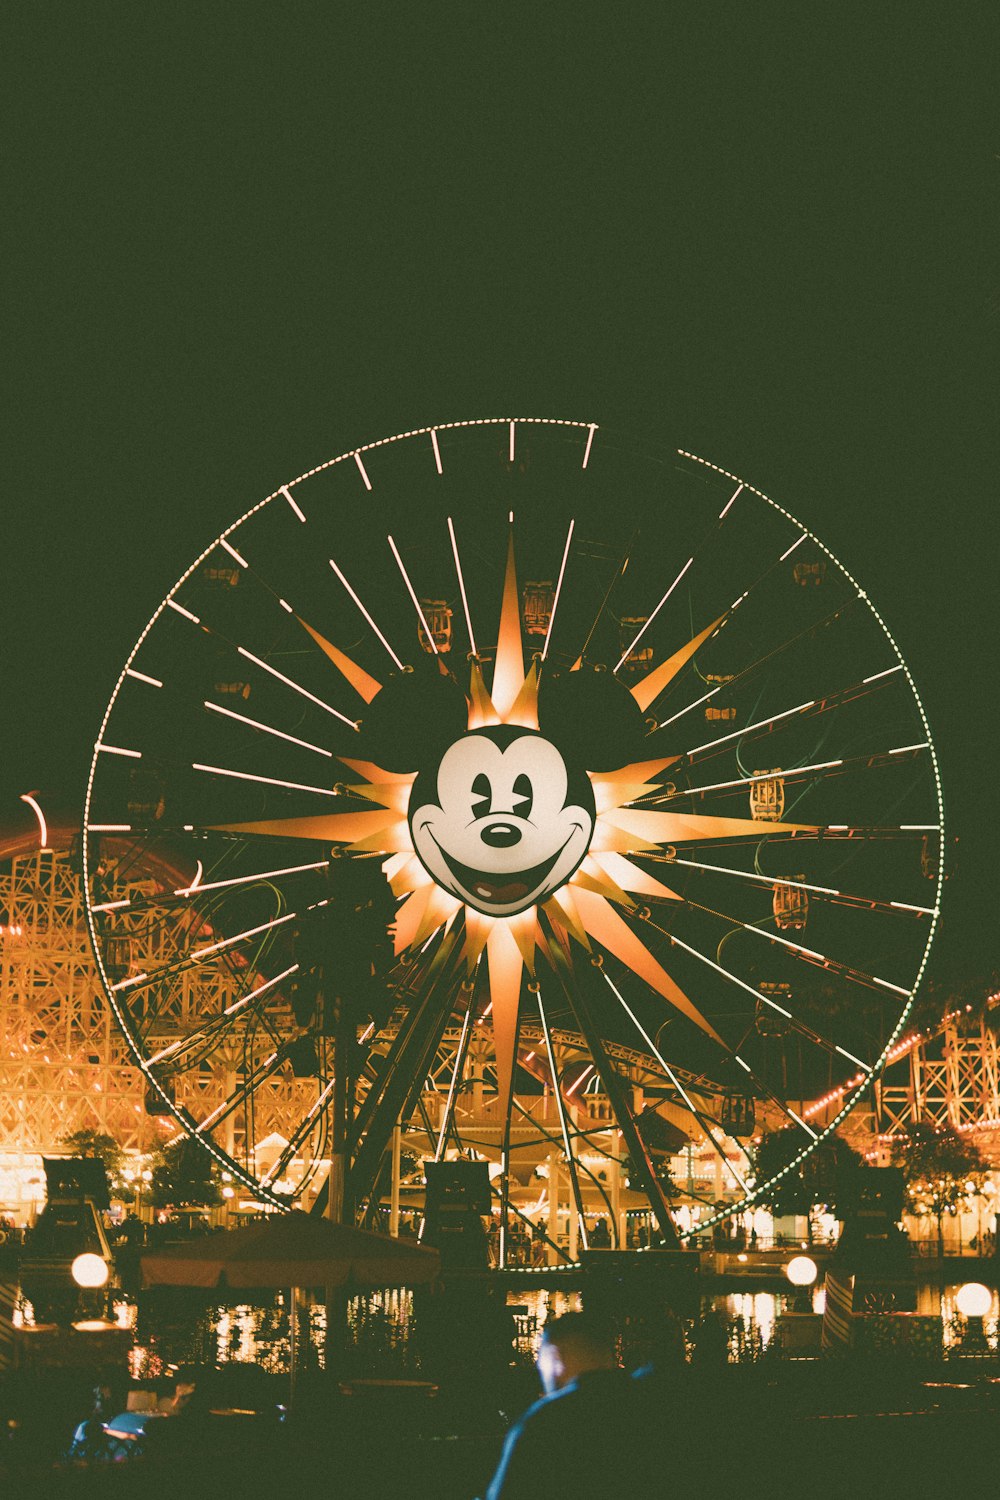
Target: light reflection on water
<point>531,1310</point>
<point>758,1311</point>
<point>380,1325</point>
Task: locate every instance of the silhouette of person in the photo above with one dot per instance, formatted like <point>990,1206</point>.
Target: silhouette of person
<point>568,1443</point>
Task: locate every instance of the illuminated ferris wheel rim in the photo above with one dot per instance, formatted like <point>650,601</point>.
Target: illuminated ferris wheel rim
<point>285,495</point>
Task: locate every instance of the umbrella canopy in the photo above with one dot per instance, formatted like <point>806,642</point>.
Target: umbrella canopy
<point>293,1249</point>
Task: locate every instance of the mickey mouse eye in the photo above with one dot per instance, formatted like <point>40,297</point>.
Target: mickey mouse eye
<point>523,797</point>
<point>482,795</point>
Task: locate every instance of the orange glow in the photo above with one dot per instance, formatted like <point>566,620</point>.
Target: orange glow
<point>42,826</point>
<point>604,924</point>
<point>679,828</point>
<point>651,686</point>
<point>336,828</point>
<point>363,684</point>
<point>631,878</point>
<point>524,710</point>
<point>482,711</point>
<point>508,670</point>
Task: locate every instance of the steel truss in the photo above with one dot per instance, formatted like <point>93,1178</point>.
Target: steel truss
<point>64,1064</point>
<point>949,1076</point>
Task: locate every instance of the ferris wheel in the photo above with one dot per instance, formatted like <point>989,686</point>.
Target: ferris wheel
<point>510,730</point>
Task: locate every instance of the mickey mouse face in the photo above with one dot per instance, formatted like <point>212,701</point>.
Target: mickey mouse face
<point>502,822</point>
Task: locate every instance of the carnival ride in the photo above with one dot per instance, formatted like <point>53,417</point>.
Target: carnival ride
<point>603,730</point>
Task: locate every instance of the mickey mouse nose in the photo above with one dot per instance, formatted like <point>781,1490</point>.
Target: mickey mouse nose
<point>501,835</point>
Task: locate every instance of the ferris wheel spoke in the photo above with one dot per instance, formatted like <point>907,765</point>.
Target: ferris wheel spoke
<point>413,990</point>
<point>175,1050</point>
<point>563,1122</point>
<point>669,828</point>
<point>760,996</point>
<point>874,760</point>
<point>258,875</point>
<point>461,586</point>
<point>425,627</point>
<point>252,776</point>
<point>845,898</point>
<point>709,535</point>
<point>559,583</point>
<point>422,1041</point>
<point>619,570</point>
<point>143,981</point>
<point>736,1056</point>
<point>278,734</point>
<point>240,1094</point>
<point>361,681</point>
<point>449,1107</point>
<point>579,1004</point>
<point>811,708</point>
<point>654,685</point>
<point>810,955</point>
<point>266,666</point>
<point>739,678</point>
<point>307,1125</point>
<point>823,832</point>
<point>682,1092</point>
<point>367,615</point>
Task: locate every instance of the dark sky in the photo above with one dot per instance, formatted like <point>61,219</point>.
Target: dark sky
<point>240,239</point>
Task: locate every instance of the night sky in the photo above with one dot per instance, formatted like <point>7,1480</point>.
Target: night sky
<point>242,239</point>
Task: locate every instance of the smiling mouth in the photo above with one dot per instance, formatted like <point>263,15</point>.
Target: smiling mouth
<point>500,889</point>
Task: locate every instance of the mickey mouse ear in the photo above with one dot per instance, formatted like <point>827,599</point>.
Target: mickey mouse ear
<point>592,717</point>
<point>413,719</point>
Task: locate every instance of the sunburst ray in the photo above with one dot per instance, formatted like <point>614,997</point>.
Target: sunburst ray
<point>477,930</point>
<point>409,917</point>
<point>638,770</point>
<point>361,681</point>
<point>394,795</point>
<point>508,669</point>
<point>606,797</point>
<point>330,828</point>
<point>524,710</point>
<point>404,872</point>
<point>438,912</point>
<point>604,923</point>
<point>677,828</point>
<point>482,711</point>
<point>646,691</point>
<point>561,902</point>
<point>593,876</point>
<point>371,772</point>
<point>631,878</point>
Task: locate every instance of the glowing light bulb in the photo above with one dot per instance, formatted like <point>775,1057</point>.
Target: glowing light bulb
<point>801,1270</point>
<point>974,1300</point>
<point>90,1270</point>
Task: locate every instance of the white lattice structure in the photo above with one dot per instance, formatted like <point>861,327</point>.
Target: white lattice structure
<point>948,1074</point>
<point>951,1077</point>
<point>64,1065</point>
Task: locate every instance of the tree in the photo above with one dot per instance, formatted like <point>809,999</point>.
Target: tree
<point>184,1175</point>
<point>809,1184</point>
<point>96,1143</point>
<point>941,1169</point>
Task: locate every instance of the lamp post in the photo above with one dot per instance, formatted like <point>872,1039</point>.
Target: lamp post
<point>974,1301</point>
<point>802,1272</point>
<point>91,1273</point>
